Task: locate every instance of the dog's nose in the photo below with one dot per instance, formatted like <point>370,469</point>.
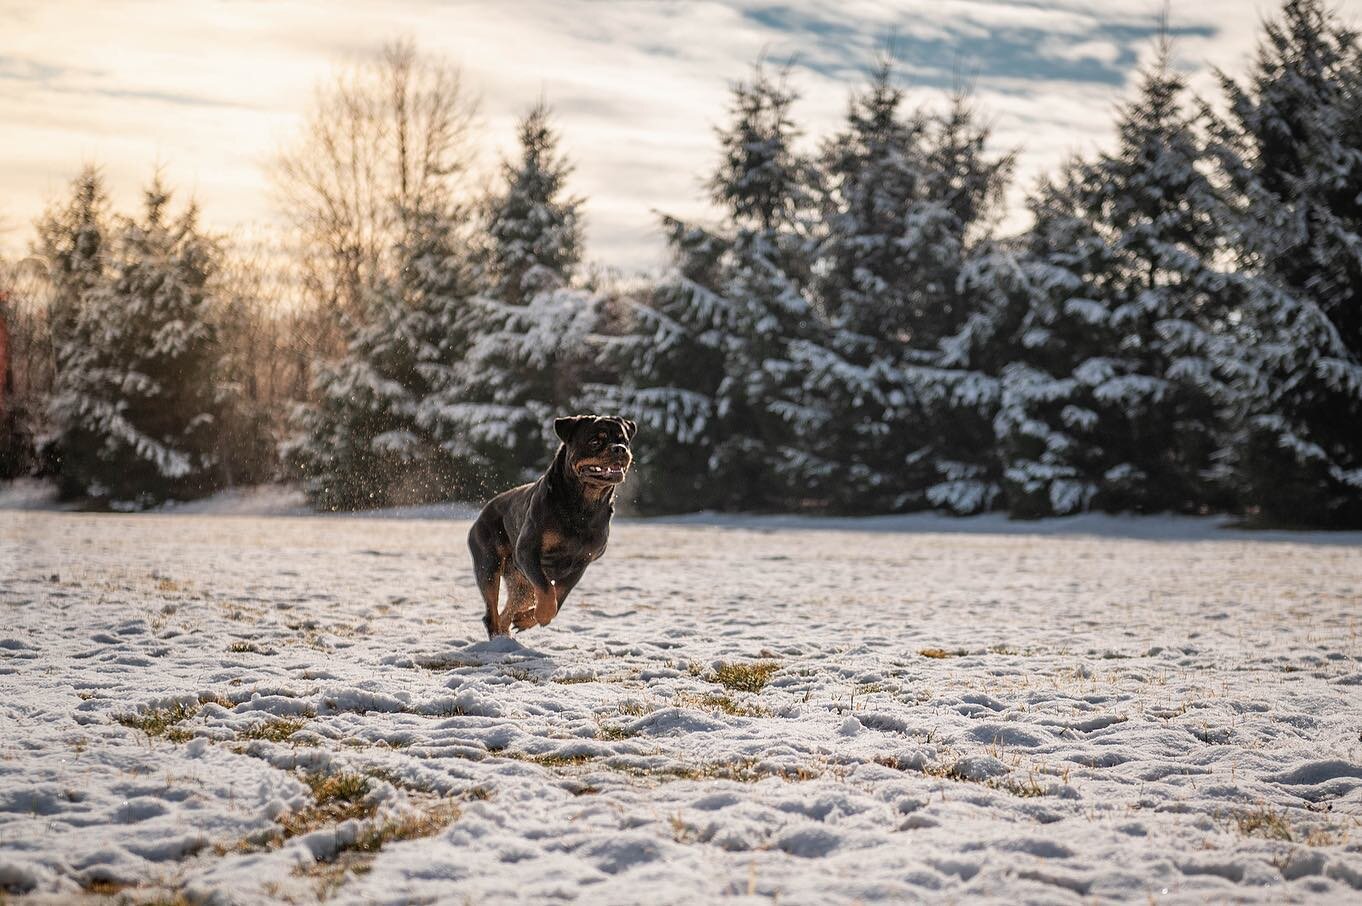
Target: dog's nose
<point>619,450</point>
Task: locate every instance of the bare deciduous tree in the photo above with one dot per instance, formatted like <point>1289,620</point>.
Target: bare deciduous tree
<point>385,137</point>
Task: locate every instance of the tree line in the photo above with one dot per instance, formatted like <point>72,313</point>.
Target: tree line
<point>1179,328</point>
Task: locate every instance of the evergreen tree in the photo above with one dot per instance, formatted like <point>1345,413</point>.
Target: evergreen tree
<point>527,334</point>
<point>73,239</point>
<point>1119,398</point>
<point>136,401</point>
<point>373,438</point>
<point>666,365</point>
<point>1291,150</point>
<point>708,366</point>
<point>764,275</point>
<point>906,197</point>
<point>535,234</point>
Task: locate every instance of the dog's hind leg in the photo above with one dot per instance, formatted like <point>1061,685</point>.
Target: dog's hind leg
<point>489,561</point>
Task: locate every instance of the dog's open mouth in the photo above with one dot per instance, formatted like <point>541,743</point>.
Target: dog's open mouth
<point>598,472</point>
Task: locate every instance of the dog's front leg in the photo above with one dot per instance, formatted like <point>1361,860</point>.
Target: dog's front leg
<point>527,557</point>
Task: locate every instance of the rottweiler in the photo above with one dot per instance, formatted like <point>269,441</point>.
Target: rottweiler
<point>540,537</point>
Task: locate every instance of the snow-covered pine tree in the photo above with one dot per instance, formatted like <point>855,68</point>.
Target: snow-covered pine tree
<point>73,240</point>
<point>1291,149</point>
<point>373,438</point>
<point>706,367</point>
<point>534,230</point>
<point>135,404</point>
<point>666,364</point>
<point>1118,399</point>
<point>870,177</point>
<point>762,185</point>
<point>527,333</point>
<point>906,198</point>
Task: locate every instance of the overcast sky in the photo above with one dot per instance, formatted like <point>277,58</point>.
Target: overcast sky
<point>208,90</point>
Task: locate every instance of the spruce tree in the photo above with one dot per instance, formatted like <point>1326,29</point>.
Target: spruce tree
<point>709,365</point>
<point>665,365</point>
<point>527,332</point>
<point>374,437</point>
<point>534,230</point>
<point>1291,150</point>
<point>1117,399</point>
<point>136,399</point>
<point>73,240</point>
<point>906,197</point>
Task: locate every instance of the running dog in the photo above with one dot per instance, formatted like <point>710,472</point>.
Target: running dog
<point>540,537</point>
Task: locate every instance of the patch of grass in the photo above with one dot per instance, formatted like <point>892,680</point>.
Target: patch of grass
<point>440,664</point>
<point>272,730</point>
<point>725,704</point>
<point>939,653</point>
<point>573,680</point>
<point>103,887</point>
<point>614,731</point>
<point>745,770</point>
<point>745,677</point>
<point>553,760</point>
<point>248,648</point>
<point>409,827</point>
<point>635,708</point>
<point>1025,789</point>
<point>356,857</point>
<point>1264,822</point>
<point>157,722</point>
<point>213,698</point>
<point>338,797</point>
<point>329,877</point>
<point>342,787</point>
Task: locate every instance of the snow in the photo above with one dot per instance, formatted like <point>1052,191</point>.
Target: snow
<point>1094,708</point>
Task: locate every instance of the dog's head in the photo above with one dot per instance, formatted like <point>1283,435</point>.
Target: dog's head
<point>597,447</point>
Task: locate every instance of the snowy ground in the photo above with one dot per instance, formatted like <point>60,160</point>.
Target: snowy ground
<point>201,707</point>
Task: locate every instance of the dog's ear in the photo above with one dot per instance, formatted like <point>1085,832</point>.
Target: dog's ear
<point>568,425</point>
<point>630,427</point>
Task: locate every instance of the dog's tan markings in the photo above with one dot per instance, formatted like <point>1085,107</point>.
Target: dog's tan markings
<point>550,539</point>
<point>545,605</point>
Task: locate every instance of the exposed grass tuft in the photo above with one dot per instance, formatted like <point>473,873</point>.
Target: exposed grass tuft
<point>939,653</point>
<point>1264,822</point>
<point>614,731</point>
<point>158,722</point>
<point>408,827</point>
<point>1025,789</point>
<point>723,703</point>
<point>342,787</point>
<point>441,664</point>
<point>554,761</point>
<point>745,677</point>
<point>213,698</point>
<point>635,708</point>
<point>272,730</point>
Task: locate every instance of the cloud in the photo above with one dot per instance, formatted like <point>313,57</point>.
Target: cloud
<point>208,90</point>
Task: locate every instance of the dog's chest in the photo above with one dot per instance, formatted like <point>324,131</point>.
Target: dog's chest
<point>562,554</point>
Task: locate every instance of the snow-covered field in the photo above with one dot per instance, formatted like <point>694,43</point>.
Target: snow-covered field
<point>210,708</point>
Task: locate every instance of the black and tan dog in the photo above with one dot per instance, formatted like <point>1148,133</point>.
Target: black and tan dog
<point>540,537</point>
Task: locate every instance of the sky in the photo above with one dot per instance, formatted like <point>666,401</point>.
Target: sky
<point>208,91</point>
